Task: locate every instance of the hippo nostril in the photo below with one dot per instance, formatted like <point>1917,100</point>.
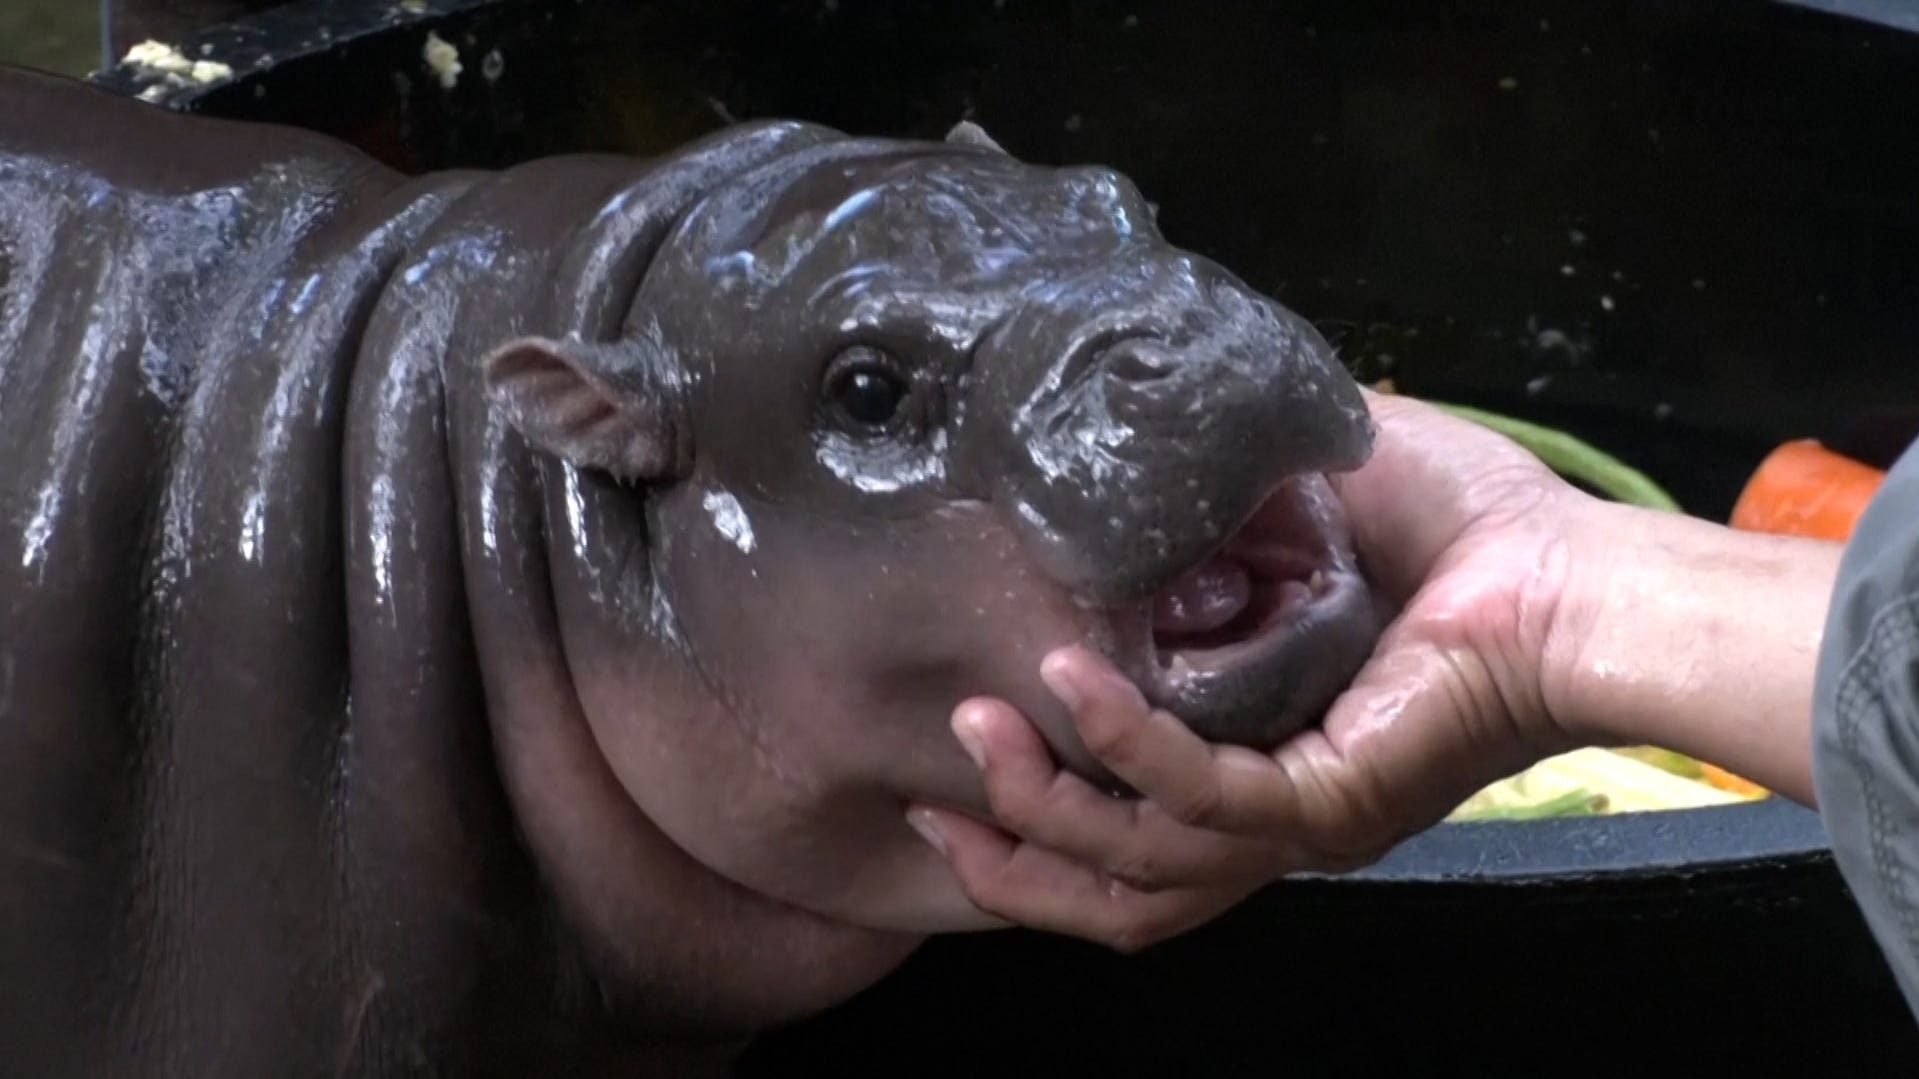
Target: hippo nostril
<point>1138,361</point>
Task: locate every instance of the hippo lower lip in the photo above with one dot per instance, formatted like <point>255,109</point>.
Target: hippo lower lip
<point>1254,641</point>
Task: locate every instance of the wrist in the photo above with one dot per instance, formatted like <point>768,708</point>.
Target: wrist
<point>1682,633</point>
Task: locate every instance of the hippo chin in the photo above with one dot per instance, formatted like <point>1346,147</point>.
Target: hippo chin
<point>501,615</point>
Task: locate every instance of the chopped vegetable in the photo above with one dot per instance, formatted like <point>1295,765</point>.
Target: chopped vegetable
<point>1681,765</point>
<point>1573,459</point>
<point>1805,489</point>
<point>1677,763</point>
<point>1569,456</point>
<point>1573,803</point>
<point>1726,781</point>
<point>1626,785</point>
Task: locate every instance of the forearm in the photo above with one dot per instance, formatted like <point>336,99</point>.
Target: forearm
<point>1697,638</point>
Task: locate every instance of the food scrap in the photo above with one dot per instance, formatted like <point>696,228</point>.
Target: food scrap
<point>173,67</point>
<point>1571,457</point>
<point>1804,489</point>
<point>443,59</point>
<point>1593,781</point>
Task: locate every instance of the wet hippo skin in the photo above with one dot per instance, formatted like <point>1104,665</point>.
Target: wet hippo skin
<point>481,622</point>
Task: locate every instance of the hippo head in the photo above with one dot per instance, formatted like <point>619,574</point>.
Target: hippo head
<point>887,423</point>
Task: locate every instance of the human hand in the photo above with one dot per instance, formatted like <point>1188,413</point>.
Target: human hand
<point>1472,542</point>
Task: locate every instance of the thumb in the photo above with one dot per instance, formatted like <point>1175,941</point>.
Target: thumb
<point>1417,733</point>
<point>1423,486</point>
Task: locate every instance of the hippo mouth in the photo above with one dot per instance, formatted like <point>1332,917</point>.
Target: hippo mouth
<point>1256,639</point>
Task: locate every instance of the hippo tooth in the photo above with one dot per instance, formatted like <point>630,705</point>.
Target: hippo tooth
<point>1317,582</point>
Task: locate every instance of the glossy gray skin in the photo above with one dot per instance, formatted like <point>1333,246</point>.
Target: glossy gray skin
<point>445,630</point>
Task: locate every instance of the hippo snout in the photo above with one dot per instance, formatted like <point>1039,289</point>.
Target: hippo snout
<point>1171,409</point>
<point>1168,467</point>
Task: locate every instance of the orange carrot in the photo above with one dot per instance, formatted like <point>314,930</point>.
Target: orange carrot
<point>1726,781</point>
<point>1804,489</point>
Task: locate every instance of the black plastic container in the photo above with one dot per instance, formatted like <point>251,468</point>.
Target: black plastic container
<point>1684,230</point>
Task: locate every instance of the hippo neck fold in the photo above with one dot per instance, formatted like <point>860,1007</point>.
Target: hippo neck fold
<point>551,553</point>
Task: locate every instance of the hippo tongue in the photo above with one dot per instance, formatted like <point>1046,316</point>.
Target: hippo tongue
<point>1203,599</point>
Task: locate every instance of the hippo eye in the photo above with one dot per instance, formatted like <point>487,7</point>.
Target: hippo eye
<point>865,390</point>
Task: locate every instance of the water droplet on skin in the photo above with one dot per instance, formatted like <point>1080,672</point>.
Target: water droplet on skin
<point>730,519</point>
<point>1538,385</point>
<point>1606,303</point>
<point>1567,269</point>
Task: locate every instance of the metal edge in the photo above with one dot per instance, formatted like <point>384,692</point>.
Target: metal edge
<point>1900,15</point>
<point>1622,846</point>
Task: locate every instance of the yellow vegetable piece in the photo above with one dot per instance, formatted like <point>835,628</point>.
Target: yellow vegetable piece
<point>1726,781</point>
<point>1677,763</point>
<point>1628,785</point>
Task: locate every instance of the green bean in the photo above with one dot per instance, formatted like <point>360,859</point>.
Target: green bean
<point>1574,803</point>
<point>1573,458</point>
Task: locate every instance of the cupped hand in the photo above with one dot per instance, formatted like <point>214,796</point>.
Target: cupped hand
<point>1472,542</point>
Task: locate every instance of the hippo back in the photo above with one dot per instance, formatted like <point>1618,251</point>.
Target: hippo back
<point>250,819</point>
<point>182,302</point>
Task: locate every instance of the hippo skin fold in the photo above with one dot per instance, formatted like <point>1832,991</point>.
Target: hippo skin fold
<point>492,622</point>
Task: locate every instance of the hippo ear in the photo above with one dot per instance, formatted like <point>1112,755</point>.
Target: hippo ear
<point>968,133</point>
<point>612,406</point>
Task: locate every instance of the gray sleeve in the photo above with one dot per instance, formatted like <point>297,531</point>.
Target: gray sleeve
<point>1865,724</point>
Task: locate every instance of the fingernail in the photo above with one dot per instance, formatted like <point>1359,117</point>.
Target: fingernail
<point>1053,673</point>
<point>966,729</point>
<point>929,830</point>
